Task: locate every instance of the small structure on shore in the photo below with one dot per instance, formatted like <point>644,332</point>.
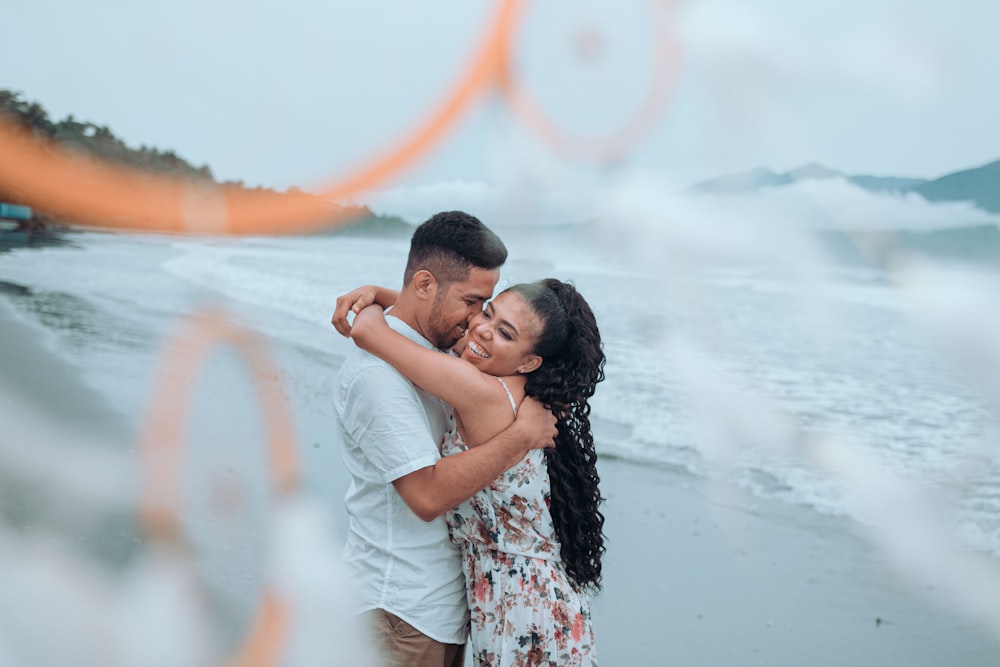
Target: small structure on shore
<point>14,212</point>
<point>19,225</point>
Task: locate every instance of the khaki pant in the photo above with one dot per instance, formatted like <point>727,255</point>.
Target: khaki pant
<point>405,646</point>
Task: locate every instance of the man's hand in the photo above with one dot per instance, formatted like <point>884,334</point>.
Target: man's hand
<point>352,302</point>
<point>537,424</point>
<point>432,491</point>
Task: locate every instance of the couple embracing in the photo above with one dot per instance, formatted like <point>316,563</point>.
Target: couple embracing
<point>465,422</point>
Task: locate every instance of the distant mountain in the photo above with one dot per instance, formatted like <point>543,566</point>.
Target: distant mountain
<point>757,179</point>
<point>888,184</point>
<point>981,186</point>
<point>373,225</point>
<point>747,181</point>
<point>813,171</point>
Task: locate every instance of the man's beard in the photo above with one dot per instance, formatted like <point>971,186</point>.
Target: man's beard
<point>443,336</point>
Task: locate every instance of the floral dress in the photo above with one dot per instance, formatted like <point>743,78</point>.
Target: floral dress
<point>525,611</point>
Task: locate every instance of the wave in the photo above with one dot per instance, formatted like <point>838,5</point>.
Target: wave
<point>837,204</point>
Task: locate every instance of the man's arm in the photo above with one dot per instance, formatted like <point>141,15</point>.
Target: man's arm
<point>355,300</point>
<point>432,491</point>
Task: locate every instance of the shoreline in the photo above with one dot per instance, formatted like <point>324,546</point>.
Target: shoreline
<point>29,366</point>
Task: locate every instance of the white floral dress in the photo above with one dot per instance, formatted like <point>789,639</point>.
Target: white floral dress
<point>524,609</point>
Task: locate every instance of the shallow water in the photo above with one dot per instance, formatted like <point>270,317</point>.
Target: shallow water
<point>732,373</point>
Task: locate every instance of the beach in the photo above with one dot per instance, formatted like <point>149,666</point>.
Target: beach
<point>696,581</point>
<point>697,573</point>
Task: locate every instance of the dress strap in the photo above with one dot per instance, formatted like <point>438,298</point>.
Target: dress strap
<point>510,396</point>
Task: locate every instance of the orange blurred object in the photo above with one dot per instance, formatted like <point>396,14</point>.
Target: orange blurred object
<point>95,193</point>
<point>100,194</point>
<point>589,47</point>
<point>162,445</point>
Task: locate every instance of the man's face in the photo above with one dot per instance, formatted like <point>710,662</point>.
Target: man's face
<point>454,305</point>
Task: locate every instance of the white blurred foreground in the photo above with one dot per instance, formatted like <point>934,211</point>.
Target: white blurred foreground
<point>65,605</point>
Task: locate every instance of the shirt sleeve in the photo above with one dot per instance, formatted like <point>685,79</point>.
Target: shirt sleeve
<point>385,418</point>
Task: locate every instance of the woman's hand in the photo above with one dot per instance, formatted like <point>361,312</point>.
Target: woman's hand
<point>538,424</point>
<point>366,322</point>
<point>357,299</point>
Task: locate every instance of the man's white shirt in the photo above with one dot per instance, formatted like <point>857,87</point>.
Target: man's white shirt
<point>400,563</point>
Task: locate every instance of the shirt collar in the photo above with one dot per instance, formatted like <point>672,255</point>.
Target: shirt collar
<point>402,327</point>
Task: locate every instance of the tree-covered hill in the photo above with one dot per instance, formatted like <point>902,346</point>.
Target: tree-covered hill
<point>93,139</point>
<point>98,141</point>
<point>980,185</point>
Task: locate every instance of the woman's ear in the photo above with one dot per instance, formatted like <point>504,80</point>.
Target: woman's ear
<point>425,284</point>
<point>530,363</point>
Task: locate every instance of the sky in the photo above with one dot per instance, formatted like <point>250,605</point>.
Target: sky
<point>302,92</point>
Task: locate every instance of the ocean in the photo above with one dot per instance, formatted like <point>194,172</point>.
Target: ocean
<point>755,368</point>
<point>731,370</point>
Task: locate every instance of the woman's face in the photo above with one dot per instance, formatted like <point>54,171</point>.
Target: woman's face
<point>501,338</point>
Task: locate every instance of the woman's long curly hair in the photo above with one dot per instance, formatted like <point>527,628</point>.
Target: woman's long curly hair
<point>572,365</point>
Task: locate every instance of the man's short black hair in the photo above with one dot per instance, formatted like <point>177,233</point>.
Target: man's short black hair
<point>449,244</point>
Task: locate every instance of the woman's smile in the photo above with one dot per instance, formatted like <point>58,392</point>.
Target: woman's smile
<point>477,350</point>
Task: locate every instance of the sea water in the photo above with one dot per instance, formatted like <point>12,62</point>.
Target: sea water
<point>731,370</point>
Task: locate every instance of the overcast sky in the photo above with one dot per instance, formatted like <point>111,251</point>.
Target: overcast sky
<point>297,92</point>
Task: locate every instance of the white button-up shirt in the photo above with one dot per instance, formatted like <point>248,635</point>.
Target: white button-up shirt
<point>400,563</point>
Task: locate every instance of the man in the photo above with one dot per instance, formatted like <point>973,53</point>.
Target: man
<point>406,569</point>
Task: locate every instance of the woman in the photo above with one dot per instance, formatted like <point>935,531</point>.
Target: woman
<point>532,541</point>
